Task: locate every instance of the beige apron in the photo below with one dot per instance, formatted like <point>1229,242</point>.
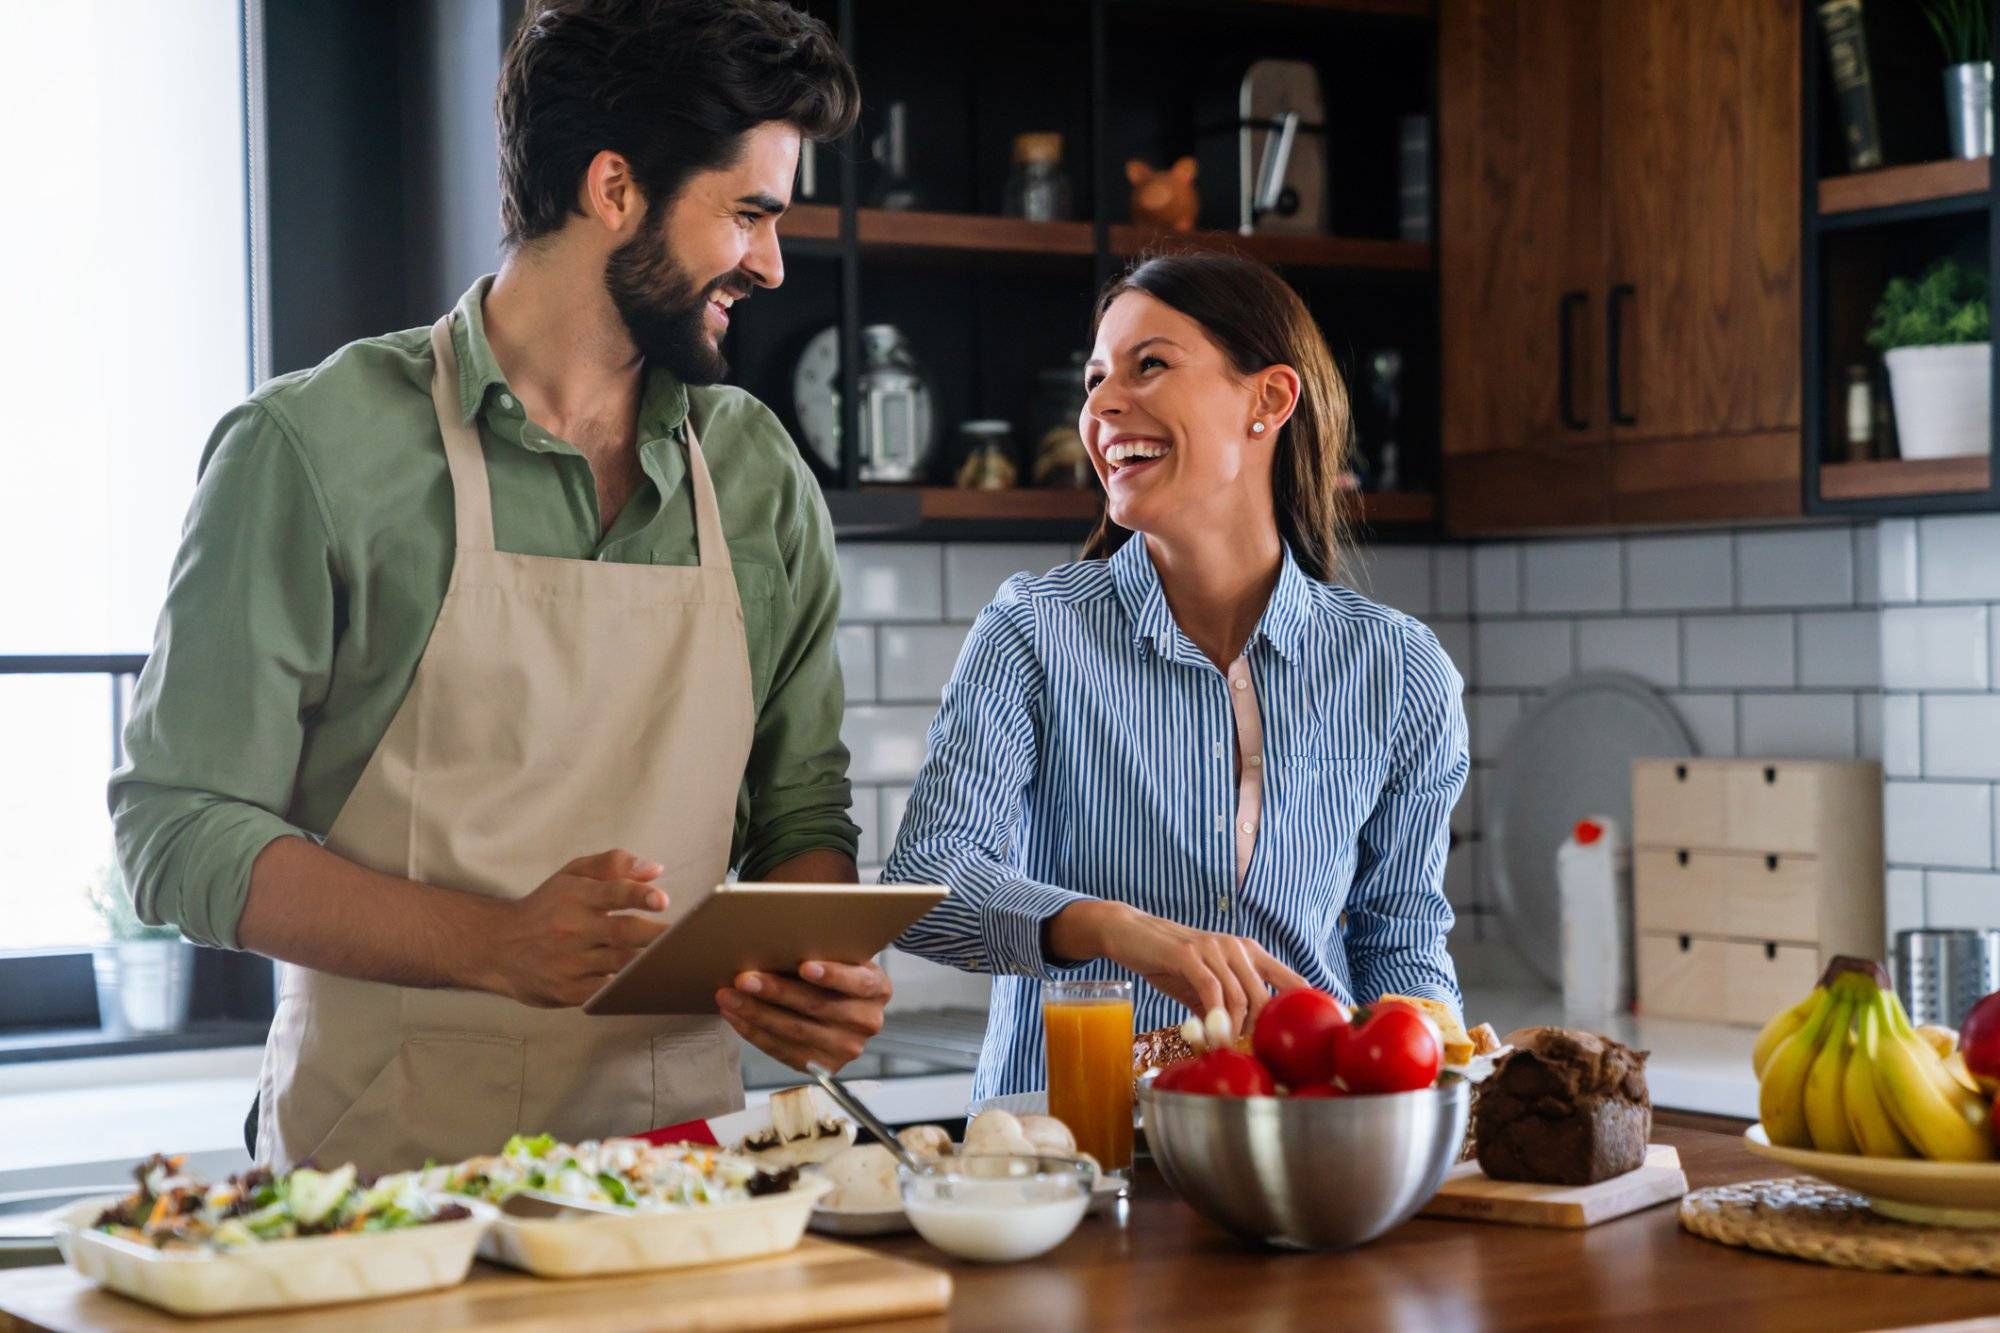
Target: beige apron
<point>561,708</point>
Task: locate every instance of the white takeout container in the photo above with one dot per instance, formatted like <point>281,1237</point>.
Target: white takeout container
<point>651,1238</point>
<point>277,1274</point>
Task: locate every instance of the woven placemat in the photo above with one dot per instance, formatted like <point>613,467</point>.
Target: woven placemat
<point>1809,1219</point>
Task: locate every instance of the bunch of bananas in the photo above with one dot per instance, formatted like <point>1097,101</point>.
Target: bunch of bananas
<point>1844,1071</point>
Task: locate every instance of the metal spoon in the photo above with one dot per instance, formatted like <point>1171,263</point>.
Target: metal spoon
<point>851,1104</point>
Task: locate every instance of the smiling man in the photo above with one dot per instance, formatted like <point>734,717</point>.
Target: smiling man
<point>483,636</point>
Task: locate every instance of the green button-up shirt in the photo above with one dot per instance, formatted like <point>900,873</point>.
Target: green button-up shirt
<point>313,564</point>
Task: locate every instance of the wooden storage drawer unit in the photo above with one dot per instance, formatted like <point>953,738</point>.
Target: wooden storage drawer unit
<point>1748,876</point>
<point>1741,894</point>
<point>1722,981</point>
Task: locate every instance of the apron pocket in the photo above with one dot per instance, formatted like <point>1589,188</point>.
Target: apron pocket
<point>696,1075</point>
<point>444,1096</point>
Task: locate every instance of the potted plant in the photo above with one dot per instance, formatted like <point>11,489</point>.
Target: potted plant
<point>1963,27</point>
<point>143,971</point>
<point>1936,335</point>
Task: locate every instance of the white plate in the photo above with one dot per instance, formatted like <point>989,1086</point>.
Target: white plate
<point>655,1238</point>
<point>279,1274</point>
<point>1955,1194</point>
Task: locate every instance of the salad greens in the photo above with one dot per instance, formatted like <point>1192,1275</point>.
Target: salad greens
<point>170,1211</point>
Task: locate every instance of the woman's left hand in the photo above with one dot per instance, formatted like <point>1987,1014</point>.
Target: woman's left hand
<point>825,1014</point>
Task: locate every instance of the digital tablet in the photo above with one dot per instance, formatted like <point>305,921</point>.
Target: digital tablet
<point>715,935</point>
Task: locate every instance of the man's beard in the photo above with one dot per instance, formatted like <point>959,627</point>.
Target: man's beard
<point>664,312</point>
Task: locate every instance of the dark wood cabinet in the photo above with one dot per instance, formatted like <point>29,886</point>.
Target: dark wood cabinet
<point>1619,261</point>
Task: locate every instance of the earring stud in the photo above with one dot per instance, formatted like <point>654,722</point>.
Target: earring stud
<point>1256,428</point>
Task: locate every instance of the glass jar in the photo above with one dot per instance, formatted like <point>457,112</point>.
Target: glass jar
<point>1060,460</point>
<point>988,448</point>
<point>1037,189</point>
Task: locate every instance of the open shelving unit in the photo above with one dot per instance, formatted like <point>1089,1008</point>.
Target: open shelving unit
<point>1863,228</point>
<point>987,301</point>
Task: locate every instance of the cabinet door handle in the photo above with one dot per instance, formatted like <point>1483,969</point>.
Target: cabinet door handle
<point>1566,358</point>
<point>1614,325</point>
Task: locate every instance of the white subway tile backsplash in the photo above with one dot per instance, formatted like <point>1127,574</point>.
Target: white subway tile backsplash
<point>1798,726</point>
<point>1398,576</point>
<point>916,660</point>
<point>1572,576</point>
<point>1962,736</point>
<point>1737,652</point>
<point>921,984</point>
<point>1681,573</point>
<point>891,581</point>
<point>1946,824</point>
<point>1711,718</point>
<point>1461,876</point>
<point>1868,725</point>
<point>1496,579</point>
<point>1934,647</point>
<point>866,812</point>
<point>1451,580</point>
<point>1471,800</point>
<point>1455,637</point>
<point>1867,566</point>
<point>1958,900</point>
<point>856,646</point>
<point>1840,648</point>
<point>886,742</point>
<point>1521,654</point>
<point>974,571</point>
<point>1804,567</point>
<point>895,800</point>
<point>1902,735</point>
<point>1902,900</point>
<point>1647,647</point>
<point>1959,558</point>
<point>1896,560</point>
<point>1493,719</point>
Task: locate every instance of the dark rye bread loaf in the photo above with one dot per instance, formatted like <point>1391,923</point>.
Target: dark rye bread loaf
<point>1563,1108</point>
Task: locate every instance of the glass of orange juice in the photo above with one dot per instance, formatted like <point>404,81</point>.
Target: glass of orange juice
<point>1088,1025</point>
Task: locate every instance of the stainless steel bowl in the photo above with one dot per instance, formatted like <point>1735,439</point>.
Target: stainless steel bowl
<point>1309,1173</point>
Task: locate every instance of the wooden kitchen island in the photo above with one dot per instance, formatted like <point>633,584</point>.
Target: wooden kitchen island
<point>1170,1270</point>
<point>1167,1269</point>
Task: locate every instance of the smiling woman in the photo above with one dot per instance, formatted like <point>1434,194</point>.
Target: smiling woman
<point>1192,759</point>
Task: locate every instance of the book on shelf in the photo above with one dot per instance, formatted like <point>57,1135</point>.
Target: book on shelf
<point>1853,88</point>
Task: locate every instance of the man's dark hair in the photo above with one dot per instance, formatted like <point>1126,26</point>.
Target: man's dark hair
<point>673,85</point>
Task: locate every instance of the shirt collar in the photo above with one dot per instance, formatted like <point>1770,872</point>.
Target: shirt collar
<point>662,408</point>
<point>1284,625</point>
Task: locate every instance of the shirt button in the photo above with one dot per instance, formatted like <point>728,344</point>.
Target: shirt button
<point>507,401</point>
<point>1246,827</point>
<point>1221,823</point>
<point>1222,903</point>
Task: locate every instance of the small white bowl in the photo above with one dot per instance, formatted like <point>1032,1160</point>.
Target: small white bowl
<point>997,1209</point>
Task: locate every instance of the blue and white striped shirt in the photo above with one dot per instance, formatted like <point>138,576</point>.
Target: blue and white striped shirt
<point>1085,747</point>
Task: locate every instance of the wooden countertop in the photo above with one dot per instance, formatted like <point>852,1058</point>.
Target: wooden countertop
<point>1168,1269</point>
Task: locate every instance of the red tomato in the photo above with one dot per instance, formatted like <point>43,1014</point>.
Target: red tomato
<point>1390,1048</point>
<point>1318,1090</point>
<point>1294,1035</point>
<point>1225,1074</point>
<point>1169,1077</point>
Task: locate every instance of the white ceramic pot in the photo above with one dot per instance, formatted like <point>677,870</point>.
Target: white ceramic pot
<point>1943,397</point>
<point>143,986</point>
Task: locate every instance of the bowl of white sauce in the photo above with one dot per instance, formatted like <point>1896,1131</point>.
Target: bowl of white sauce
<point>997,1209</point>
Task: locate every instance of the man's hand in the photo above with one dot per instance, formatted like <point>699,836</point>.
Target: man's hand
<point>826,1013</point>
<point>554,948</point>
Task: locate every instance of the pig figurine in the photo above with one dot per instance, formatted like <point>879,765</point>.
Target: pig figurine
<point>1163,199</point>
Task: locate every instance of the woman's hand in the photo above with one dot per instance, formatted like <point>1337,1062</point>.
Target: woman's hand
<point>1202,969</point>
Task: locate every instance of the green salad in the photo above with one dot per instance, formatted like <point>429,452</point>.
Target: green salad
<point>172,1211</point>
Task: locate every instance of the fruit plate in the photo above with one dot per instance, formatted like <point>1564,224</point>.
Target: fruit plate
<point>1952,1194</point>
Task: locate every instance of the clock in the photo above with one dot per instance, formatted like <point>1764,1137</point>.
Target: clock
<point>816,395</point>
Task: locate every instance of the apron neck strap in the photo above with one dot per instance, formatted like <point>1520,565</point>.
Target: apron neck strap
<point>472,498</point>
<point>713,547</point>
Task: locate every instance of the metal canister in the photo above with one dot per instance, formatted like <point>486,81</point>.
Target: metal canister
<point>1941,974</point>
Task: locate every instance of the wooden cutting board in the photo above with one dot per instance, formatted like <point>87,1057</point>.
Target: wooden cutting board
<point>1467,1193</point>
<point>817,1284</point>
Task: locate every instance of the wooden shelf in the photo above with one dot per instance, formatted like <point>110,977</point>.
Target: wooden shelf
<point>810,222</point>
<point>1879,478</point>
<point>882,228</point>
<point>946,504</point>
<point>1279,248</point>
<point>1409,9</point>
<point>1923,182</point>
<point>918,510</point>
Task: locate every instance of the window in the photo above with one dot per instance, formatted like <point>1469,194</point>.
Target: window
<point>125,267</point>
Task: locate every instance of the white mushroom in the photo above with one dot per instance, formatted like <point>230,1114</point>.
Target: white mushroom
<point>1049,1135</point>
<point>864,1179</point>
<point>998,1132</point>
<point>926,1140</point>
